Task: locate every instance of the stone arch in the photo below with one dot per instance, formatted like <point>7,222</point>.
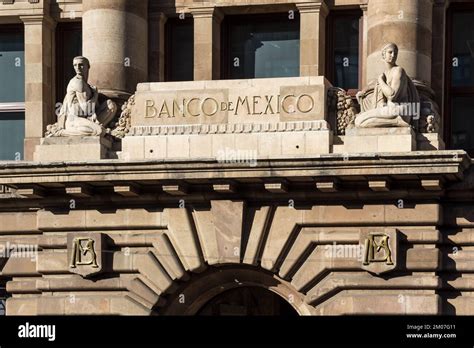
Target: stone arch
<point>193,294</point>
<point>292,247</point>
<point>165,252</point>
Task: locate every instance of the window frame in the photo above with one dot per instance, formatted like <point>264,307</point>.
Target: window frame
<point>330,69</point>
<point>452,92</point>
<point>228,20</point>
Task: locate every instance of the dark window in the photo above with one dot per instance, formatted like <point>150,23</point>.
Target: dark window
<point>12,92</point>
<point>343,31</point>
<point>463,122</point>
<point>179,49</point>
<point>259,46</point>
<point>459,111</point>
<point>68,46</point>
<point>463,49</point>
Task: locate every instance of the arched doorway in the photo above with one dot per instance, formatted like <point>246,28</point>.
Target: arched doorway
<point>235,290</point>
<point>247,301</point>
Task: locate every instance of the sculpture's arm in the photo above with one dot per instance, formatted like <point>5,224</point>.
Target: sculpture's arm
<point>95,95</point>
<point>387,90</point>
<point>396,83</point>
<point>392,90</point>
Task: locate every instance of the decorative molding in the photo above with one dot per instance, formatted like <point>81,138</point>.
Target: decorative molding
<point>328,186</point>
<point>207,12</point>
<point>313,7</point>
<point>38,19</point>
<point>319,125</point>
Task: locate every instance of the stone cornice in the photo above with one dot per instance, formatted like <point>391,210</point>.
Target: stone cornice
<point>429,165</point>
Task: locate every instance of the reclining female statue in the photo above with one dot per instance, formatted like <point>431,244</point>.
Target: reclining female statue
<point>81,114</point>
<point>394,101</point>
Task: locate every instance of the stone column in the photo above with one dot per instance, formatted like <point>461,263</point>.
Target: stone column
<point>207,42</point>
<point>312,37</point>
<point>39,83</point>
<point>407,23</point>
<point>156,42</point>
<point>115,39</point>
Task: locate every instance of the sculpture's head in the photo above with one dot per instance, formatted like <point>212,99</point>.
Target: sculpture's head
<point>81,66</point>
<point>390,53</point>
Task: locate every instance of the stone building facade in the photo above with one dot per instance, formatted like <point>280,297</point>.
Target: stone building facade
<point>233,179</point>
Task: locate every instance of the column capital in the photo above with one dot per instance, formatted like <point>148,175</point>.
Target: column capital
<point>39,19</point>
<point>313,7</point>
<point>207,12</point>
<point>364,7</point>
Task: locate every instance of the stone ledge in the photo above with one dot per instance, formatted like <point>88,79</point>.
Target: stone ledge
<point>73,148</point>
<point>378,131</point>
<point>76,140</point>
<point>395,139</point>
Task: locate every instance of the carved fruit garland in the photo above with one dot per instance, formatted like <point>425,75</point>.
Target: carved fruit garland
<point>343,106</point>
<point>122,127</point>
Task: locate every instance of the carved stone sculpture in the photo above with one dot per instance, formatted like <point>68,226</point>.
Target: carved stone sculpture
<point>342,109</point>
<point>393,101</point>
<point>82,113</point>
<point>122,126</point>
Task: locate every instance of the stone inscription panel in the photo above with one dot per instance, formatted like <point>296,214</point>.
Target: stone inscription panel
<point>230,101</point>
